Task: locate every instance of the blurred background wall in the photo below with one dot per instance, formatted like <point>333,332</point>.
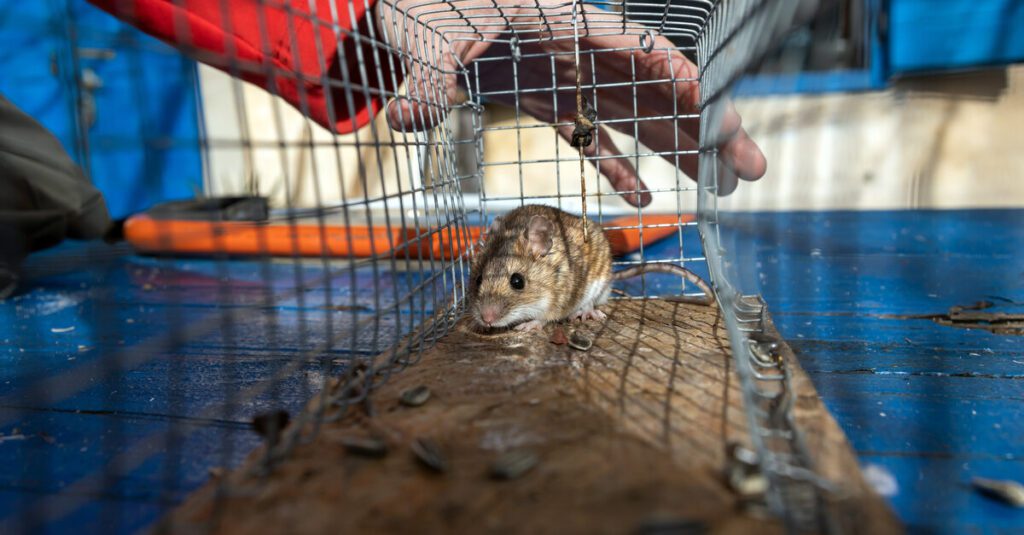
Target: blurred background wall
<point>897,104</point>
<point>939,141</point>
<point>876,104</point>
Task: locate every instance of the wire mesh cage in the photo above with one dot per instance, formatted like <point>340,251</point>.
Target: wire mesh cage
<point>350,156</point>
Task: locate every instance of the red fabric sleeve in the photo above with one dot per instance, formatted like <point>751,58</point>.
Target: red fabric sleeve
<point>276,47</point>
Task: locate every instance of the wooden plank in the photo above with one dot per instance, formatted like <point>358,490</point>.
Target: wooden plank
<point>852,343</point>
<point>931,416</point>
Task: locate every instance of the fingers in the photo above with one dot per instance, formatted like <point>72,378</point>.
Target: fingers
<point>429,65</point>
<point>407,115</point>
<point>735,148</point>
<point>430,89</point>
<point>619,172</point>
<point>663,114</point>
<point>743,156</point>
<point>726,179</point>
<point>739,154</point>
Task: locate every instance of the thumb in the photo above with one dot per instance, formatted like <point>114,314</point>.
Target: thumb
<point>425,62</point>
<point>614,166</point>
<point>430,89</point>
<point>431,66</point>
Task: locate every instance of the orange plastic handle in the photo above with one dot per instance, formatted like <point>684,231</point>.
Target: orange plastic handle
<point>655,227</point>
<point>168,236</point>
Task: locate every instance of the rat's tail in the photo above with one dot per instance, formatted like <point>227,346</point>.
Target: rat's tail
<point>671,269</point>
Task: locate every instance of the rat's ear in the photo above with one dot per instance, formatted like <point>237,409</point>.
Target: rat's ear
<point>495,226</point>
<point>539,234</point>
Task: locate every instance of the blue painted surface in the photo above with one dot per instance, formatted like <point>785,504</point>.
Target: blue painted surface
<point>873,75</point>
<point>913,36</point>
<point>808,82</point>
<point>142,145</point>
<point>877,54</point>
<point>932,405</point>
<point>116,302</point>
<point>954,34</point>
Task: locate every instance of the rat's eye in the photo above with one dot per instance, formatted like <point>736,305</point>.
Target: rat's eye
<point>479,280</point>
<point>517,281</point>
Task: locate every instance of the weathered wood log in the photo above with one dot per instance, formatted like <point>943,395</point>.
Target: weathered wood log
<point>629,436</point>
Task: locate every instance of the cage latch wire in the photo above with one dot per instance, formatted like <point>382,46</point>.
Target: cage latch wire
<point>583,132</point>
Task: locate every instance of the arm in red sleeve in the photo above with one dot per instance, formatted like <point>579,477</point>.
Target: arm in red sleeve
<point>294,51</point>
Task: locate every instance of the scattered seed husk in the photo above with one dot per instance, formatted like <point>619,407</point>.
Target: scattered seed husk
<point>352,381</point>
<point>1007,491</point>
<point>269,425</point>
<point>365,446</point>
<point>429,454</point>
<point>737,452</point>
<point>414,397</point>
<point>558,337</point>
<point>216,472</point>
<point>580,341</point>
<point>671,526</point>
<point>743,474</point>
<point>513,464</point>
<point>748,485</point>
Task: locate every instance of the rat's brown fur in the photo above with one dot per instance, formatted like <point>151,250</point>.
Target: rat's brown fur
<point>562,275</point>
<point>570,277</point>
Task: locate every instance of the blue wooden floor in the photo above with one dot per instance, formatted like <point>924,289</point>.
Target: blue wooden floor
<point>124,379</point>
<point>928,405</point>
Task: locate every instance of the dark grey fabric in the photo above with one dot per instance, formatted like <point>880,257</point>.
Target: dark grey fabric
<point>44,196</point>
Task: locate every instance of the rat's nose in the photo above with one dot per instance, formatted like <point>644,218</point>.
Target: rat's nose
<point>490,313</point>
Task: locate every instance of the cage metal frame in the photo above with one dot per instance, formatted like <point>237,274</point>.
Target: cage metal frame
<point>736,36</point>
<point>726,36</point>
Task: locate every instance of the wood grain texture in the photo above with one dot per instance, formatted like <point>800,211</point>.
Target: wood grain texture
<point>633,430</point>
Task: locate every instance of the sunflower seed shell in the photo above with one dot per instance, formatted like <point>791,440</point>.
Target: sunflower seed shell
<point>513,464</point>
<point>414,397</point>
<point>1009,492</point>
<point>580,342</point>
<point>365,446</point>
<point>429,454</point>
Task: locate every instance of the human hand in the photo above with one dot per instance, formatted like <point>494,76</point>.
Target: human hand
<point>651,95</point>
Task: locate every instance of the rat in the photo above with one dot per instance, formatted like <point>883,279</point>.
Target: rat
<point>536,267</point>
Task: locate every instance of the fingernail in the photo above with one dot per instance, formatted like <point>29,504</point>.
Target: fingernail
<point>390,114</point>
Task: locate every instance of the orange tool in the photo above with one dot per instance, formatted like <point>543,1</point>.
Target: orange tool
<point>165,234</point>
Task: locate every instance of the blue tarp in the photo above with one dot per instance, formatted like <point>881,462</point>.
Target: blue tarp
<point>936,35</point>
<point>136,131</point>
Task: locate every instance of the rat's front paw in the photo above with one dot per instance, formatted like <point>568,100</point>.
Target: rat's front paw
<point>532,325</point>
<point>593,314</point>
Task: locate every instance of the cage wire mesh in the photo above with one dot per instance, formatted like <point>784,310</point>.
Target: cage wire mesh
<point>382,155</point>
